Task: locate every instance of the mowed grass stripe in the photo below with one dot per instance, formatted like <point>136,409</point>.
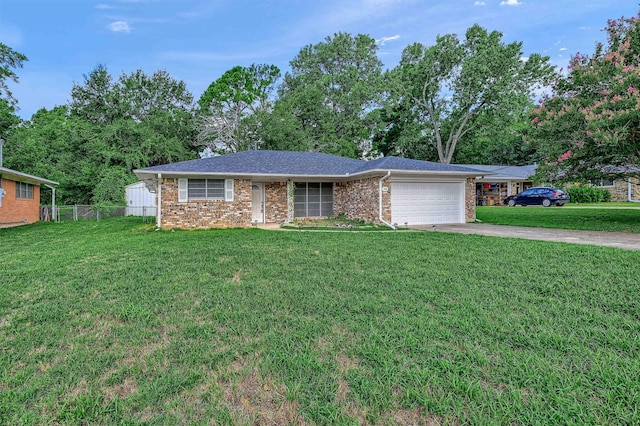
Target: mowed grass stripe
<point>583,218</point>
<point>115,322</point>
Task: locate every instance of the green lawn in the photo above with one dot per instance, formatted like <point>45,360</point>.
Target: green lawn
<point>585,218</point>
<point>113,322</point>
<point>607,205</point>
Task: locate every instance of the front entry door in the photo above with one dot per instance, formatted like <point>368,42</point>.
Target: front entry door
<point>257,203</point>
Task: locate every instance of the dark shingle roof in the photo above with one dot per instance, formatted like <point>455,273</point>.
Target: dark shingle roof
<point>397,163</point>
<point>266,162</point>
<point>505,172</point>
<point>299,163</point>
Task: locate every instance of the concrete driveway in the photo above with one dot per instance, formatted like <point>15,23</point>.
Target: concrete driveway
<point>622,240</point>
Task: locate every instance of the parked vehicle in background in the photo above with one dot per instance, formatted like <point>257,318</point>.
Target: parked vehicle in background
<point>540,196</point>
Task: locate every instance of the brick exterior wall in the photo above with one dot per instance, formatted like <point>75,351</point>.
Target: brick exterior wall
<point>470,200</point>
<point>357,199</point>
<point>276,203</point>
<point>635,189</point>
<point>620,189</point>
<point>18,209</point>
<point>518,187</point>
<point>205,213</point>
<point>386,200</point>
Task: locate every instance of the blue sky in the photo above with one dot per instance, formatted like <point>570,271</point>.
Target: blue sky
<point>197,40</point>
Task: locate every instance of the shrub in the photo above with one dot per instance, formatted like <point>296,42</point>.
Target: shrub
<point>588,194</point>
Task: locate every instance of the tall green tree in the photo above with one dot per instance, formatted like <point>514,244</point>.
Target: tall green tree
<point>108,129</point>
<point>45,146</point>
<point>8,118</point>
<point>101,100</point>
<point>498,138</point>
<point>94,99</point>
<point>233,107</point>
<point>10,60</point>
<point>401,132</point>
<point>136,121</point>
<point>589,127</point>
<point>449,85</point>
<point>140,96</point>
<point>329,94</point>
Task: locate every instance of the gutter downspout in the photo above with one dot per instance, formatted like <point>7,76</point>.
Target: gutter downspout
<point>53,203</point>
<point>629,197</point>
<point>159,201</point>
<point>380,201</point>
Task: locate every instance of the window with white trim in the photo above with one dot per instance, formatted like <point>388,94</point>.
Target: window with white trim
<point>24,190</point>
<point>602,182</point>
<point>205,189</point>
<point>312,199</point>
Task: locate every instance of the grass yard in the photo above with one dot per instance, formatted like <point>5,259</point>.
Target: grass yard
<point>585,218</point>
<point>113,322</point>
<point>606,205</point>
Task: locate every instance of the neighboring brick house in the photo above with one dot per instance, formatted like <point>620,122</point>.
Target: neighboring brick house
<point>501,182</point>
<point>620,189</point>
<point>20,197</point>
<point>256,187</point>
<point>504,181</point>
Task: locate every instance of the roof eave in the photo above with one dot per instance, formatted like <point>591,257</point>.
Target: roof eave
<point>25,177</point>
<point>461,173</point>
<point>239,175</point>
<point>141,173</point>
<point>510,178</point>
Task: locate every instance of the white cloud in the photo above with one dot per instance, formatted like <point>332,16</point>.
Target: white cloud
<point>563,48</point>
<point>119,27</point>
<point>479,3</point>
<point>510,3</point>
<point>103,6</point>
<point>383,40</point>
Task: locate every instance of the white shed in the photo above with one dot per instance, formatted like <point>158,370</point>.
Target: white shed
<point>140,202</point>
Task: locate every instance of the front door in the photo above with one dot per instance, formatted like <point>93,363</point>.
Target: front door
<point>257,203</point>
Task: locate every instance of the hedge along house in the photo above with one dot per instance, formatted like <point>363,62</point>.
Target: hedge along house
<point>20,197</point>
<point>259,187</point>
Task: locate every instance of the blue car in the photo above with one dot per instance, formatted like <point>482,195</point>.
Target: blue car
<point>538,196</point>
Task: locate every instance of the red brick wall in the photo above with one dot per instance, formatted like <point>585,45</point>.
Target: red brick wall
<point>20,209</point>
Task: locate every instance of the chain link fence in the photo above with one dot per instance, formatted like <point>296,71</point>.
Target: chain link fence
<point>95,212</point>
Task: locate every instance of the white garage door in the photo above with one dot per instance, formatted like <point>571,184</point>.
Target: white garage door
<point>419,203</point>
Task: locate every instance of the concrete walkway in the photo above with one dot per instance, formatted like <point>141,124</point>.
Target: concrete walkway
<point>624,240</point>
